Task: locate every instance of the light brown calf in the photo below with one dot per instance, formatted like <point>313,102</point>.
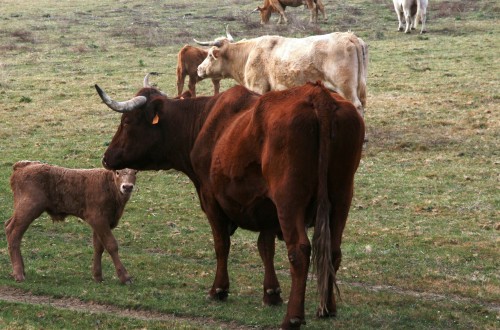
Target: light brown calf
<point>188,59</point>
<point>97,196</point>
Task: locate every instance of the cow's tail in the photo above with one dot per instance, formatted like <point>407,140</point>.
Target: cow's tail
<point>362,51</point>
<point>321,245</point>
<point>23,163</point>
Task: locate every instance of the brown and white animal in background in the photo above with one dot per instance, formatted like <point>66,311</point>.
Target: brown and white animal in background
<point>279,6</point>
<point>275,164</point>
<point>339,60</point>
<point>411,11</point>
<point>97,196</point>
<point>188,60</point>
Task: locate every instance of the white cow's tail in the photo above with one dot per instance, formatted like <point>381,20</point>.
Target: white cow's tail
<point>362,50</point>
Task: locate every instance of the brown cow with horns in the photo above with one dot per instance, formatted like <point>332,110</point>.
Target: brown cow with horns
<point>275,164</point>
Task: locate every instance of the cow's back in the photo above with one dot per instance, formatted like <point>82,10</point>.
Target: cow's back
<point>61,191</point>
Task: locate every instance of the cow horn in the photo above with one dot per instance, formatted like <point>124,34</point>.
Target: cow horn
<point>204,43</point>
<point>124,106</point>
<point>148,85</point>
<point>229,36</point>
<point>146,79</point>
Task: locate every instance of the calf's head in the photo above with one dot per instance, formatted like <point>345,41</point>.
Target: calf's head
<point>138,140</point>
<point>125,180</point>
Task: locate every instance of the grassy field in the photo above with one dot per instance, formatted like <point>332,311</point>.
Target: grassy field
<point>421,247</point>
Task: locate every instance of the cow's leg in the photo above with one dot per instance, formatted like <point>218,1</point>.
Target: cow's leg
<point>423,17</point>
<point>299,253</point>
<point>408,21</point>
<point>181,77</point>
<point>222,243</point>
<point>281,11</point>
<point>15,228</point>
<point>321,8</point>
<point>216,83</point>
<point>96,262</point>
<point>192,84</point>
<point>399,12</point>
<point>103,231</point>
<point>272,290</point>
<point>314,13</point>
<point>220,226</point>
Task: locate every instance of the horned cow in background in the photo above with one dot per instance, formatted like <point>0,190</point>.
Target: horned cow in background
<point>97,196</point>
<point>339,60</point>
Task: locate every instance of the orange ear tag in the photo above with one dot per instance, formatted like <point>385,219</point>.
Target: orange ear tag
<point>156,119</point>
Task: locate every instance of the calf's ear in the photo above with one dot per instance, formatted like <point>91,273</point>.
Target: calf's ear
<point>152,111</point>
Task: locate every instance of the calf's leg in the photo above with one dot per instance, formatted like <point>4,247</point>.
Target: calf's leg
<point>96,261</point>
<point>103,231</point>
<point>15,227</point>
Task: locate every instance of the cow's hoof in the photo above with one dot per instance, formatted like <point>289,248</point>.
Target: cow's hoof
<point>423,31</point>
<point>324,313</point>
<point>272,297</point>
<point>293,323</point>
<point>218,294</point>
<point>98,279</point>
<point>400,29</point>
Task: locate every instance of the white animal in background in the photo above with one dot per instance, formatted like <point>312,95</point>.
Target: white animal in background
<point>411,11</point>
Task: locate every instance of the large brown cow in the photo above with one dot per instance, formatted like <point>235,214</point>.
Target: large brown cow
<point>339,60</point>
<point>275,164</point>
<point>97,196</point>
<point>279,6</point>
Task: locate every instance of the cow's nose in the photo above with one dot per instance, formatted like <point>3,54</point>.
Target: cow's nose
<point>127,188</point>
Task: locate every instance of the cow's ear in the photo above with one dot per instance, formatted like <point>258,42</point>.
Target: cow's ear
<point>153,110</point>
<point>216,53</point>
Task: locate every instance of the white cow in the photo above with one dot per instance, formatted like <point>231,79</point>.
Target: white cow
<point>267,63</point>
<point>412,11</point>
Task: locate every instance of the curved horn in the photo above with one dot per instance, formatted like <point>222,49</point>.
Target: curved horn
<point>146,79</point>
<point>204,43</point>
<point>148,85</point>
<point>229,36</point>
<point>124,106</point>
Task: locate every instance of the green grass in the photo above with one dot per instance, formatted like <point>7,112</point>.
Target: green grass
<point>421,245</point>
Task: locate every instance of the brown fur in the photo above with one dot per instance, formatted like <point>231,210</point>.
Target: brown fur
<point>274,164</point>
<point>188,59</point>
<point>279,6</point>
<point>97,196</point>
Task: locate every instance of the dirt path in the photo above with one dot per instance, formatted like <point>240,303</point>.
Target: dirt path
<point>18,296</point>
<point>13,295</point>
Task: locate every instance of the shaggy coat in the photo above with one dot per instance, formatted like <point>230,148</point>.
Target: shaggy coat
<point>97,196</point>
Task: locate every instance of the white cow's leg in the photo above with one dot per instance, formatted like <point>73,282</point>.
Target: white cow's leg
<point>423,17</point>
<point>400,18</point>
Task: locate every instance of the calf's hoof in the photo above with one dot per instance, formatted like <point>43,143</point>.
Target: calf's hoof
<point>218,294</point>
<point>126,280</point>
<point>272,297</point>
<point>18,277</point>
